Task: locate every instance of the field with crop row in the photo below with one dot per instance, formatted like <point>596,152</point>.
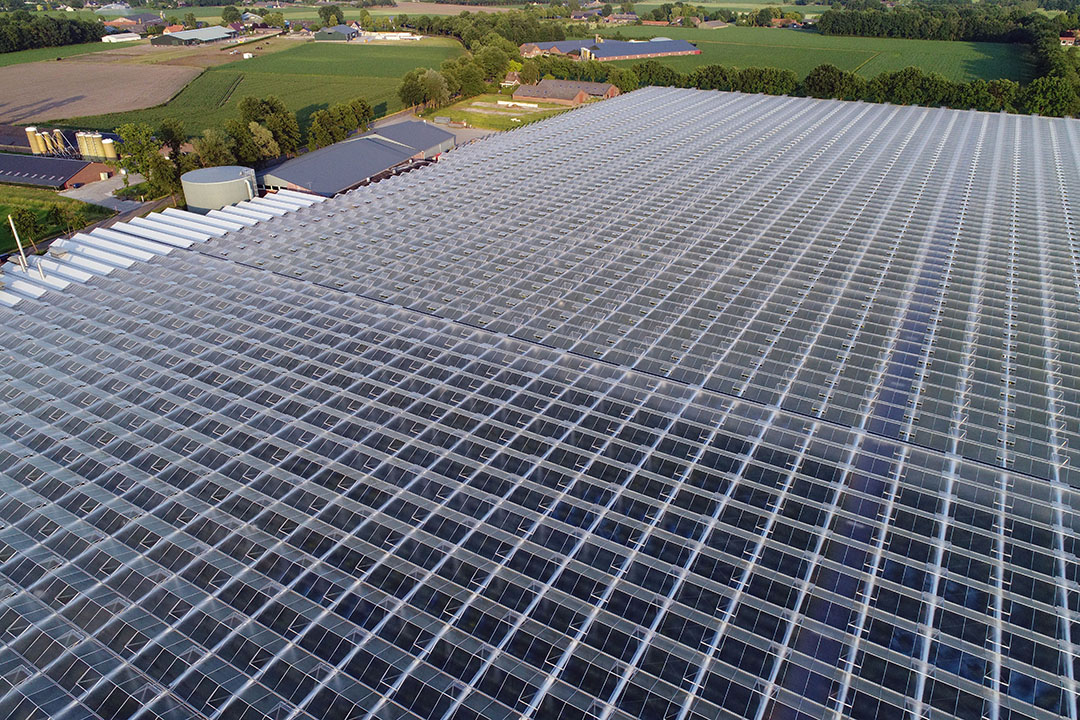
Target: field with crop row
<point>309,77</point>
<point>801,51</point>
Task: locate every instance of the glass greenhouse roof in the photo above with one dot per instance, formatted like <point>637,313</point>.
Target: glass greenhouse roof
<point>682,405</point>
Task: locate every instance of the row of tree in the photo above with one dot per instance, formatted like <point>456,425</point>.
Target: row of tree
<point>1048,95</point>
<point>989,23</point>
<point>22,31</point>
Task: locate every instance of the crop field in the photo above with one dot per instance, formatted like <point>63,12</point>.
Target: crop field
<point>51,53</point>
<point>39,200</point>
<point>801,51</point>
<point>307,77</point>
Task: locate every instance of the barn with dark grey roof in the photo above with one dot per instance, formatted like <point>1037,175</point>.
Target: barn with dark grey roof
<point>51,172</point>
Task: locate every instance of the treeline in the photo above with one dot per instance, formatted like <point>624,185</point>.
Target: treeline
<point>980,23</point>
<point>22,31</point>
<point>465,76</point>
<point>1049,95</point>
<point>515,26</point>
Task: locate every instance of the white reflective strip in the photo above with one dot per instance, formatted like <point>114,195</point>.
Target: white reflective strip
<point>9,299</point>
<point>182,224</point>
<point>145,235</point>
<point>112,246</point>
<point>191,217</point>
<point>151,222</point>
<point>52,282</point>
<point>234,217</point>
<point>60,269</point>
<point>283,204</point>
<point>113,234</point>
<point>81,263</point>
<point>259,206</point>
<point>89,251</point>
<point>308,197</point>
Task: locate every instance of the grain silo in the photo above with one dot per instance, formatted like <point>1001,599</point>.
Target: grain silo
<point>36,146</point>
<point>60,141</point>
<point>109,149</point>
<point>213,188</point>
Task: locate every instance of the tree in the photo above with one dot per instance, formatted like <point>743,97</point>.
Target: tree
<point>272,113</point>
<point>230,14</point>
<point>138,148</point>
<point>264,140</point>
<point>241,143</point>
<point>493,61</point>
<point>765,16</point>
<point>434,86</point>
<point>274,19</point>
<point>829,81</point>
<point>213,149</point>
<point>362,110</point>
<point>714,77</point>
<point>172,135</point>
<point>410,90</point>
<point>27,224</point>
<point>66,216</point>
<point>331,15</point>
<point>321,130</point>
<point>1052,96</point>
<point>627,7</point>
<point>190,21</point>
<point>624,79</point>
<point>606,10</point>
<point>530,73</point>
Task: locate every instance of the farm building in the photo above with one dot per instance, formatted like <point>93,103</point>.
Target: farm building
<point>601,49</point>
<point>348,164</point>
<point>637,49</point>
<point>565,92</point>
<point>170,29</point>
<point>621,19</point>
<point>195,37</point>
<point>50,172</point>
<point>121,37</point>
<point>337,33</point>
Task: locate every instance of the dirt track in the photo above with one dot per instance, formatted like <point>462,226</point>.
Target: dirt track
<point>41,91</point>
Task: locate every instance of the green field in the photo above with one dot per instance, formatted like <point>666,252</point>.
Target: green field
<point>476,111</point>
<point>51,53</point>
<point>308,77</point>
<point>39,200</point>
<point>744,6</point>
<point>801,51</point>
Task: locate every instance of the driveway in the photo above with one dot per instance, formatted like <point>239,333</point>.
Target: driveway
<point>101,193</point>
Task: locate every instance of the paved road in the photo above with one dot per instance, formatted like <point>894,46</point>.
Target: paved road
<point>101,193</point>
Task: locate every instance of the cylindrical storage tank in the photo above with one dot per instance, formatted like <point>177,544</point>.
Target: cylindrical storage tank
<point>109,146</point>
<point>60,140</point>
<point>98,149</point>
<point>213,188</point>
<point>35,144</point>
<point>80,140</point>
<point>46,142</point>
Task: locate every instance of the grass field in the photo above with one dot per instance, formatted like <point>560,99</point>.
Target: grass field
<point>484,112</point>
<point>39,200</point>
<point>744,6</point>
<point>28,56</point>
<point>308,77</point>
<point>801,51</point>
